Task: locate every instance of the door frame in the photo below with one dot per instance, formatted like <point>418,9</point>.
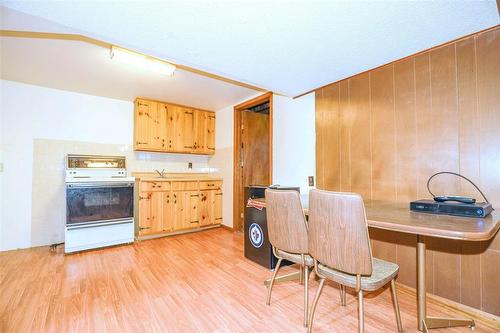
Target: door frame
<point>237,188</point>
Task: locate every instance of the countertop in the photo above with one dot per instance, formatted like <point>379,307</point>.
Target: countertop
<point>176,177</point>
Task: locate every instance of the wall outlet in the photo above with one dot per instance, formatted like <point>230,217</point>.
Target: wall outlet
<point>310,180</point>
<point>1,167</point>
<point>190,165</point>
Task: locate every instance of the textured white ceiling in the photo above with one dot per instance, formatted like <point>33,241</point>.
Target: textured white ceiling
<point>284,46</point>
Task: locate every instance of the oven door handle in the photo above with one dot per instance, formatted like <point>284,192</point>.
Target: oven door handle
<point>98,224</point>
<point>99,185</point>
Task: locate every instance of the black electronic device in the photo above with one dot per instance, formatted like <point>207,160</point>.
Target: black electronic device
<point>478,209</point>
<point>452,204</point>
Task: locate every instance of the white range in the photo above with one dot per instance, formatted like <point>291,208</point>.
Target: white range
<point>99,202</point>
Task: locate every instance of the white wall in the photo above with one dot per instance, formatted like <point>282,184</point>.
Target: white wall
<point>31,112</point>
<point>293,146</point>
<point>294,141</point>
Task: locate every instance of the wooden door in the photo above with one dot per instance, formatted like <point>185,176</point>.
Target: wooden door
<point>206,208</point>
<point>190,209</point>
<point>200,131</point>
<point>169,124</point>
<point>188,130</point>
<point>168,216</point>
<point>255,149</point>
<point>147,125</point>
<point>194,203</point>
<point>158,130</point>
<point>211,132</point>
<point>150,213</point>
<point>177,209</point>
<point>252,161</point>
<point>218,206</point>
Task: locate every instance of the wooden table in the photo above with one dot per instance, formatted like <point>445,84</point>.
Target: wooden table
<point>397,217</point>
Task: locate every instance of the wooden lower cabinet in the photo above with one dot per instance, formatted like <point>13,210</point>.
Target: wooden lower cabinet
<point>218,206</point>
<point>210,207</point>
<point>178,209</point>
<point>184,210</point>
<point>151,219</point>
<point>205,213</point>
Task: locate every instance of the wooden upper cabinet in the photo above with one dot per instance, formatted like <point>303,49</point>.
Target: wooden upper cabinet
<point>211,132</point>
<point>149,123</point>
<point>188,130</point>
<point>165,127</point>
<point>200,132</point>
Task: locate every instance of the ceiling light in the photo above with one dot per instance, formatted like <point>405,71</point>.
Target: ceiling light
<point>141,61</point>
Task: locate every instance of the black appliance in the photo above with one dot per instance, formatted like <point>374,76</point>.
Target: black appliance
<point>478,209</point>
<point>257,246</point>
<point>452,204</point>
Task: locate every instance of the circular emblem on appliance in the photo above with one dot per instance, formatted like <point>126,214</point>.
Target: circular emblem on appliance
<point>256,235</point>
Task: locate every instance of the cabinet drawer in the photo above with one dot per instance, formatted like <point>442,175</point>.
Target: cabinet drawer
<point>184,186</point>
<point>155,186</point>
<point>210,185</point>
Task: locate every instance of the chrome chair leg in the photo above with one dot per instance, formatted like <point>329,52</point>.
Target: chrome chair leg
<point>361,320</point>
<point>301,275</point>
<point>268,301</point>
<point>315,302</point>
<point>313,275</point>
<point>306,294</point>
<point>342,291</point>
<point>395,303</point>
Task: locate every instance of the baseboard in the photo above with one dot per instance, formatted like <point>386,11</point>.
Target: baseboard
<point>223,226</point>
<point>180,232</point>
<point>481,317</point>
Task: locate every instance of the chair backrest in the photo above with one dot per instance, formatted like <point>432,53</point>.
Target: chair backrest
<point>338,232</point>
<point>286,223</point>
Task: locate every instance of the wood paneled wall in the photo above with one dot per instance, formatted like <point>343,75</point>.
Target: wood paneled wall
<point>382,133</point>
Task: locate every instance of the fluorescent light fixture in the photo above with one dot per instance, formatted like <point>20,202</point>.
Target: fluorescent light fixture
<point>141,61</point>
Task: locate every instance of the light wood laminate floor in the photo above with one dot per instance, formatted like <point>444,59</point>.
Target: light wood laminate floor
<point>190,283</point>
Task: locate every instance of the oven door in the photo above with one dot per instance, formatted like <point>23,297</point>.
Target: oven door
<point>99,202</point>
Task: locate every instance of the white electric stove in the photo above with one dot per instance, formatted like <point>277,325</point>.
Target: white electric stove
<point>99,202</point>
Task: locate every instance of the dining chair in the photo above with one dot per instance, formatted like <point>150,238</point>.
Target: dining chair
<point>340,246</point>
<point>288,235</point>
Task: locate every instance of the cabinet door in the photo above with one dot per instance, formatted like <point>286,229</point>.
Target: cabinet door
<point>206,207</point>
<point>158,132</point>
<point>218,206</point>
<point>192,203</point>
<point>188,130</point>
<point>177,210</point>
<point>200,131</point>
<point>150,213</point>
<point>168,216</point>
<point>210,132</point>
<point>175,128</point>
<point>145,114</point>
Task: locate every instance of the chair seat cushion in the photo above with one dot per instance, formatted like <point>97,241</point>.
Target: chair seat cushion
<point>294,257</point>
<point>383,272</point>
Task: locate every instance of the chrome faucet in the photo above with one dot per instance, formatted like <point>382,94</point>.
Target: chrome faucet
<point>161,173</point>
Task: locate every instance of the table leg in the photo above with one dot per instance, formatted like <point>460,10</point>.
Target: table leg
<point>421,288</point>
<point>424,322</point>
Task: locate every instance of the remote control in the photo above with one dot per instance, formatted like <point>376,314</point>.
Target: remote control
<point>465,200</point>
